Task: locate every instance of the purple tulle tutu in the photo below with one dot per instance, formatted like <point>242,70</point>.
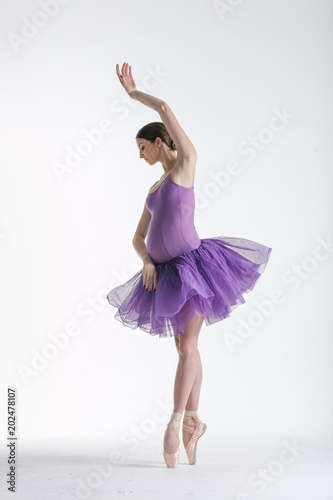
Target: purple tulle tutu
<point>208,281</point>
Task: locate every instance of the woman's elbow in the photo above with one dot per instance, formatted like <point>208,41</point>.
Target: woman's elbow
<point>137,237</point>
<point>163,107</point>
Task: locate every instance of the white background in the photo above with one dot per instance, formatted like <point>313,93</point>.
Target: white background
<point>66,235</point>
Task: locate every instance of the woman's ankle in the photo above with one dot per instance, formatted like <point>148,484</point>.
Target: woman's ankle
<point>191,413</point>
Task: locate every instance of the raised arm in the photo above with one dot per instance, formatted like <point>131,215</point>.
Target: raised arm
<point>185,148</point>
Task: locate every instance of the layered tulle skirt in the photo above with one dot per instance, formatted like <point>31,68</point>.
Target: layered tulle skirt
<point>209,282</point>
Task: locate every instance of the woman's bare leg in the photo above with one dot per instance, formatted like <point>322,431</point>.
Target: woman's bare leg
<point>193,402</point>
<point>193,399</point>
<point>188,377</point>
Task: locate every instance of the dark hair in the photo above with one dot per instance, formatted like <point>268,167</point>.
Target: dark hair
<point>156,129</point>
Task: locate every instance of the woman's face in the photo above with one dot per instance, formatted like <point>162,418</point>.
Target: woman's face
<point>148,151</point>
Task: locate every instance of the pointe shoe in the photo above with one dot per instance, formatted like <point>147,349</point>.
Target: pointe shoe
<point>171,459</point>
<point>198,428</point>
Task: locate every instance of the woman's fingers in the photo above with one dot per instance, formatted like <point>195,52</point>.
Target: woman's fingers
<point>149,278</point>
<point>126,71</point>
<point>149,283</point>
<point>145,280</point>
<point>118,72</point>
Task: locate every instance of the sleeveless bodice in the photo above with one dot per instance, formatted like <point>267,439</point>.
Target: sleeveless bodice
<point>171,230</point>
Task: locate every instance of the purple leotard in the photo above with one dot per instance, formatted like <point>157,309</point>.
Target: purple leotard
<point>171,230</point>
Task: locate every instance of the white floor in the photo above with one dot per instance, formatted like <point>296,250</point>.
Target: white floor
<point>224,470</point>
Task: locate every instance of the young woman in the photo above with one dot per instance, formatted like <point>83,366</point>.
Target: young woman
<point>185,280</point>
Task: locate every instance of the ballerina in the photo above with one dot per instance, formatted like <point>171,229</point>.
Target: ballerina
<point>185,280</point>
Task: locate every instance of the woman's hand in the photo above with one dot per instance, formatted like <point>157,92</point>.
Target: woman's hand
<point>126,78</point>
<point>149,274</point>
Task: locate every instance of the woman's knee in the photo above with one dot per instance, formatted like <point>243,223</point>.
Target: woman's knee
<point>187,349</point>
